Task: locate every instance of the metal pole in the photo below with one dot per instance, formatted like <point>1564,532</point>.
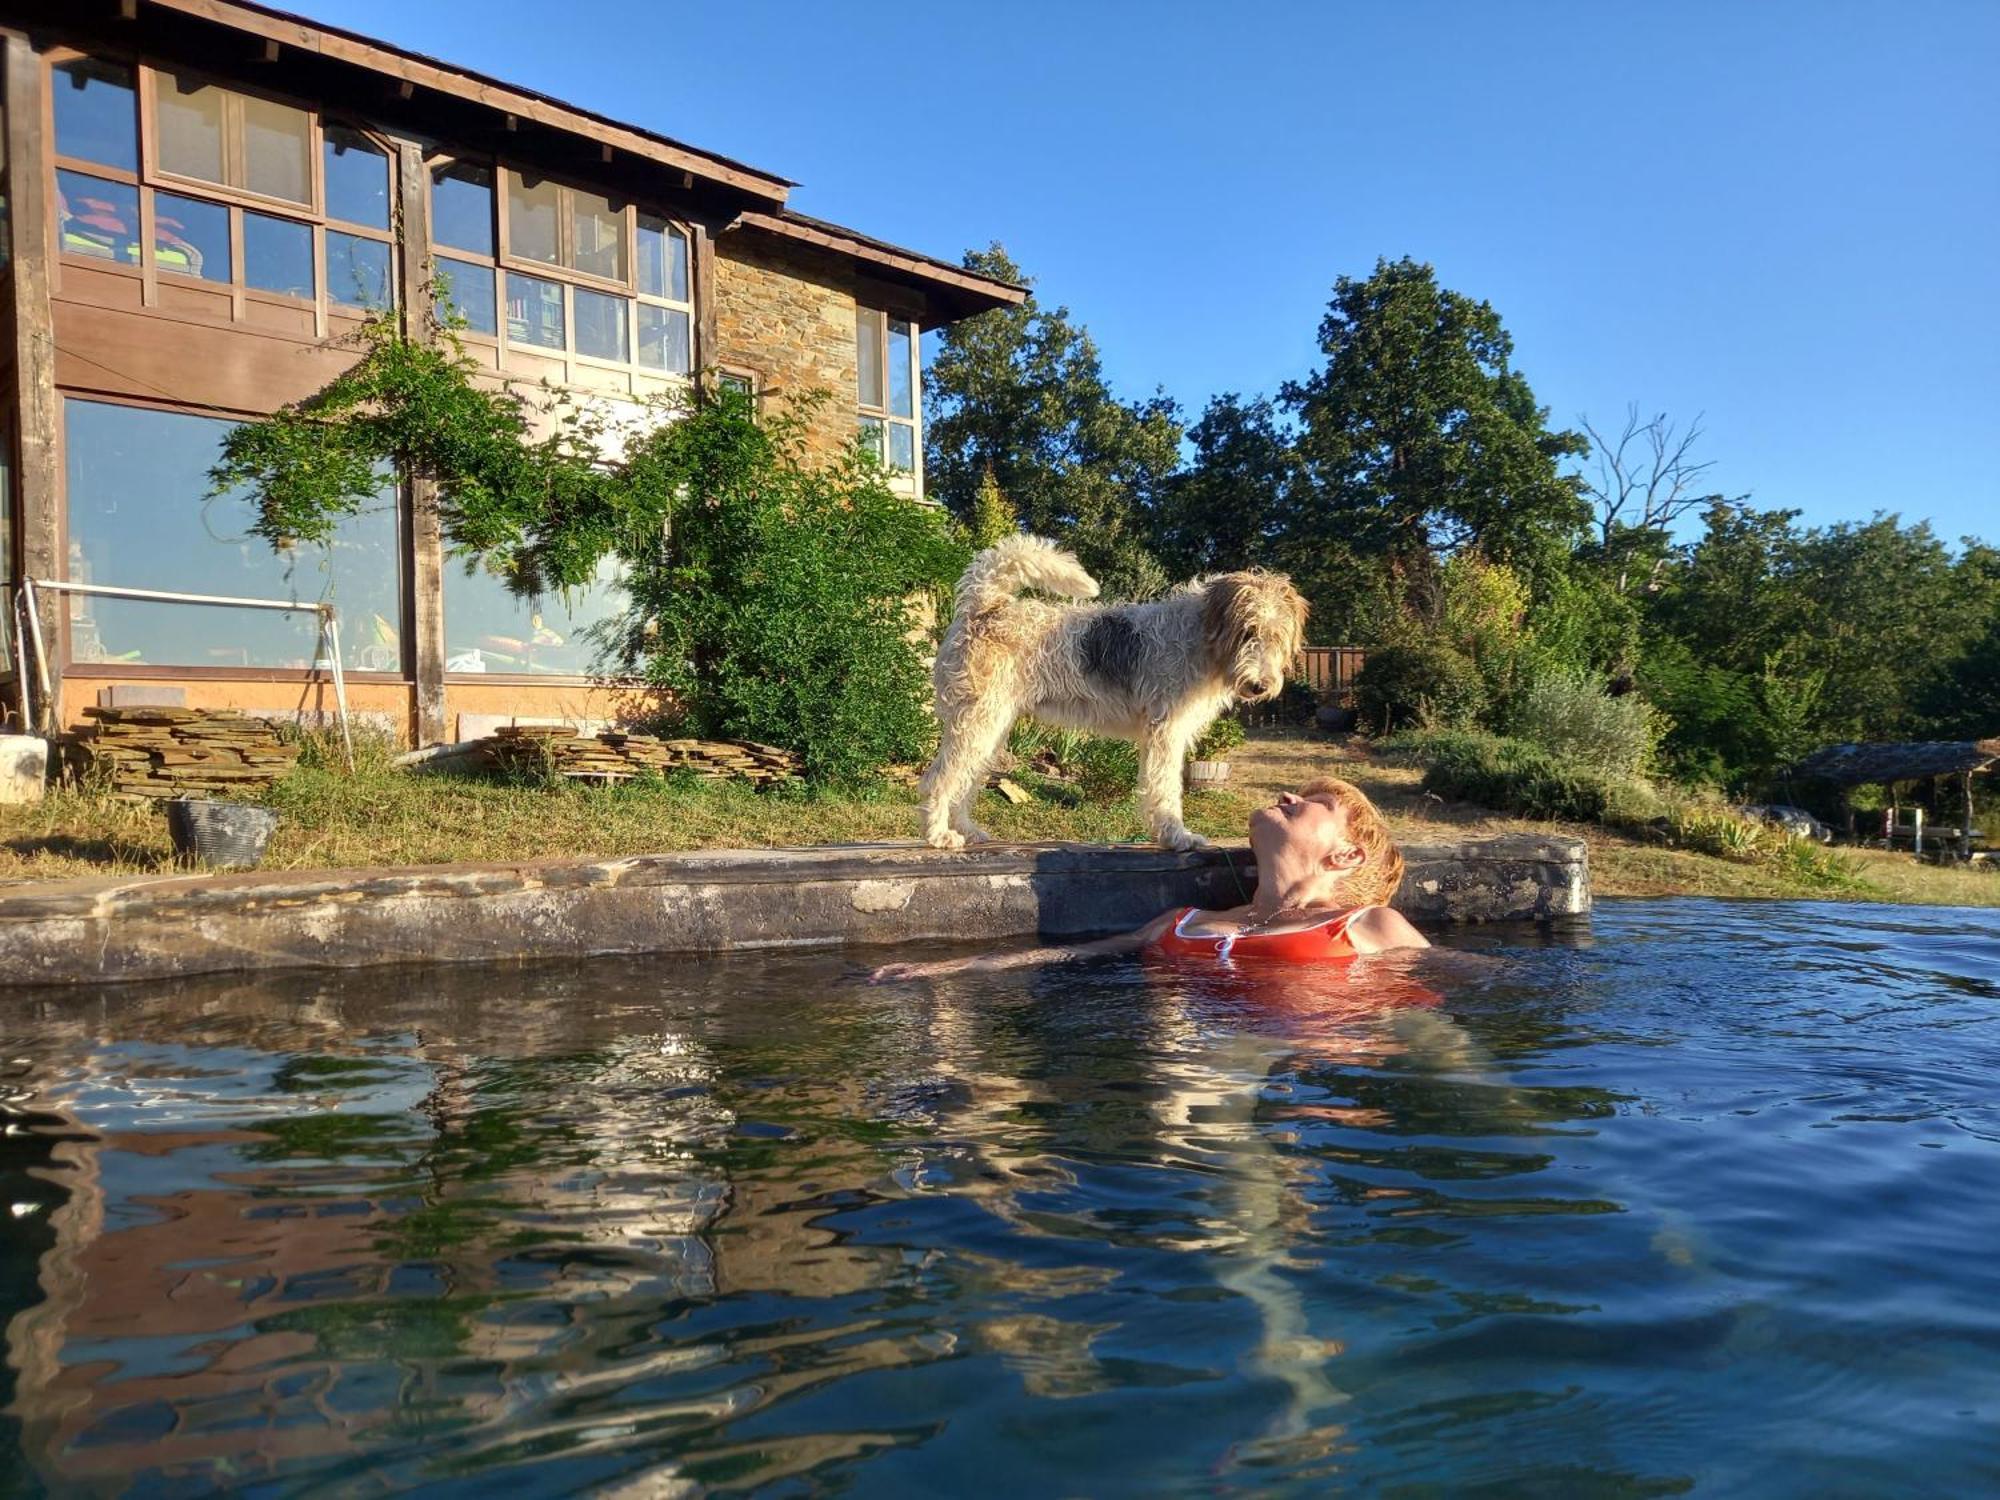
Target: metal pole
<point>21,693</point>
<point>330,633</point>
<point>51,708</point>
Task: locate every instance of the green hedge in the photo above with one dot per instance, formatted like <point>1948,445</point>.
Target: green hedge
<point>1513,776</point>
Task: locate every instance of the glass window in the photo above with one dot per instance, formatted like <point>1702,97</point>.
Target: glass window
<point>277,255</point>
<point>468,290</point>
<point>871,435</point>
<point>190,133</point>
<point>357,179</point>
<point>663,259</point>
<point>534,311</point>
<point>190,237</point>
<point>663,339</point>
<point>96,116</point>
<point>98,218</point>
<point>902,399</point>
<point>868,354</point>
<point>357,270</point>
<point>600,325</point>
<point>277,150</point>
<point>137,517</point>
<point>489,628</point>
<point>902,447</point>
<point>533,209</point>
<point>597,233</point>
<point>462,207</point>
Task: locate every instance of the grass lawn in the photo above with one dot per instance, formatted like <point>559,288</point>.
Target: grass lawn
<point>380,816</point>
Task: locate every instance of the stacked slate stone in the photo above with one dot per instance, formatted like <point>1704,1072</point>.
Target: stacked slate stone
<point>614,755</point>
<point>175,752</point>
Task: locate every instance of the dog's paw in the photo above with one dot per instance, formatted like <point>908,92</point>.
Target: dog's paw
<point>950,838</point>
<point>974,834</point>
<point>1180,840</point>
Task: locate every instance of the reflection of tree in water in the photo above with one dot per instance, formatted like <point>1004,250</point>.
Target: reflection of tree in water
<point>407,1226</point>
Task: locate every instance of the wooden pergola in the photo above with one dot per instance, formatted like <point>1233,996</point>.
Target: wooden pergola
<point>1886,763</point>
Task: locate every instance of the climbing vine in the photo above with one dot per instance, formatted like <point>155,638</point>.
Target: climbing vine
<point>770,596</point>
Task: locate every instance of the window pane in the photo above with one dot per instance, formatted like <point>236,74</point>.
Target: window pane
<point>137,517</point>
<point>190,119</point>
<point>277,255</point>
<point>653,256</point>
<point>600,325</point>
<point>902,397</point>
<point>96,118</point>
<point>487,628</point>
<point>871,435</point>
<point>598,227</point>
<point>534,311</point>
<point>357,270</point>
<point>357,179</point>
<point>902,446</point>
<point>462,207</point>
<point>663,339</point>
<point>868,354</point>
<point>469,292</point>
<point>277,150</point>
<point>98,218</point>
<point>531,219</point>
<point>190,237</point>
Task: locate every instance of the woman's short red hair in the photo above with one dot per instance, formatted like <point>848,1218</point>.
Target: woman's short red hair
<point>1376,882</point>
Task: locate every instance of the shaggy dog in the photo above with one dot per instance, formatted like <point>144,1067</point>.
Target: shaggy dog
<point>1155,674</point>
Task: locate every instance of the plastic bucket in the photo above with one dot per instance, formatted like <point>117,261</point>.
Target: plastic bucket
<point>221,835</point>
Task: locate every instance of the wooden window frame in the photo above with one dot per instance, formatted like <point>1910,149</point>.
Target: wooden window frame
<point>504,262</point>
<point>151,180</point>
<point>149,76</point>
<point>403,676</point>
<point>882,414</point>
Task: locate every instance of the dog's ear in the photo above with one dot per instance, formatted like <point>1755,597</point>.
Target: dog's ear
<point>1225,614</point>
<point>1296,603</point>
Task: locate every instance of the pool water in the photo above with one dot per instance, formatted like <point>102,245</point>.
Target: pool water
<point>1703,1198</point>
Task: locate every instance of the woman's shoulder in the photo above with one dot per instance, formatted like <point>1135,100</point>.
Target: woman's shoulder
<point>1373,929</point>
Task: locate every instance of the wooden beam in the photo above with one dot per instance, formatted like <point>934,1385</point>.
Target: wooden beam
<point>425,544</point>
<point>38,415</point>
<point>701,287</point>
<point>409,69</point>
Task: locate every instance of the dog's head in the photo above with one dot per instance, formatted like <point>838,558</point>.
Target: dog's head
<point>1254,624</point>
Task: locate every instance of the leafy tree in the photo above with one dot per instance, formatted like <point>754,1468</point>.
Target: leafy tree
<point>993,515</point>
<point>1020,392</point>
<point>1226,509</point>
<point>1420,438</point>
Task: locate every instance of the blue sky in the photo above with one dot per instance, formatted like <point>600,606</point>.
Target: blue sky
<point>1783,215</point>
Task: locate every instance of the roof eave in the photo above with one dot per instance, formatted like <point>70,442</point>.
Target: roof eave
<point>953,290</point>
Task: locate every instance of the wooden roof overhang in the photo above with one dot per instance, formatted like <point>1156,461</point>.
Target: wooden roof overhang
<point>952,292</point>
<point>1908,760</point>
<point>407,90</point>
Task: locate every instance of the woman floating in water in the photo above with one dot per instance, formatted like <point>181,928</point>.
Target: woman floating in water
<point>1326,868</point>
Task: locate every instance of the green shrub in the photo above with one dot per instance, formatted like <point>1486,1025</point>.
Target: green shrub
<point>1570,715</point>
<point>1421,683</point>
<point>1105,770</point>
<point>1216,741</point>
<point>1511,775</point>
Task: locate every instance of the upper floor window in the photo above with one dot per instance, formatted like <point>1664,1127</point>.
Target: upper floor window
<point>885,362</point>
<point>240,190</point>
<point>546,267</point>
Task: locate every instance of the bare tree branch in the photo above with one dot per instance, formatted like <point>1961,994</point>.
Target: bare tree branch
<point>1646,490</point>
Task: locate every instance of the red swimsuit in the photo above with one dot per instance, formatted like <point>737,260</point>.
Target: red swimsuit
<point>1322,940</point>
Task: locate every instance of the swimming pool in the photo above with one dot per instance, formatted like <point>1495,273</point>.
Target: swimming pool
<point>1702,1198</point>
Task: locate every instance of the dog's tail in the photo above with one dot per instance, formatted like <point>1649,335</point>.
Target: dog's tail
<point>1021,562</point>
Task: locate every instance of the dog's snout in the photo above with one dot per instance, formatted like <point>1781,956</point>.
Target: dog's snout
<point>1258,688</point>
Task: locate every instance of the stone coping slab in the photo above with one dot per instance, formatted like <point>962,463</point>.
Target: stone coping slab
<point>706,901</point>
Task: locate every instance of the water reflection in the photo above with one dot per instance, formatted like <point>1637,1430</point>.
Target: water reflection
<point>660,1229</point>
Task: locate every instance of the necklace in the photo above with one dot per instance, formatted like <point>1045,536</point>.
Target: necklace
<point>1273,919</point>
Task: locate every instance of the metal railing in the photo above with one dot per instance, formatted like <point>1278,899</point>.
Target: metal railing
<point>28,610</point>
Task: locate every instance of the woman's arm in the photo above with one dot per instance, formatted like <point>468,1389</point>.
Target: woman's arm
<point>990,963</point>
<point>1381,928</point>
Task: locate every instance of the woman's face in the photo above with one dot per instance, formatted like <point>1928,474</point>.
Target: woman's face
<point>1297,832</point>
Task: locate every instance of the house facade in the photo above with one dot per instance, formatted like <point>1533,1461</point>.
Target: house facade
<point>203,196</point>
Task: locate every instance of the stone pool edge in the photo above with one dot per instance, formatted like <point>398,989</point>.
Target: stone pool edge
<point>701,902</point>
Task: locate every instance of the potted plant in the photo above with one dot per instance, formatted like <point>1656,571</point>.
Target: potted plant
<point>1208,759</point>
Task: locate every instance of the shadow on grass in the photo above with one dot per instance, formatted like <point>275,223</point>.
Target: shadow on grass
<point>98,851</point>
